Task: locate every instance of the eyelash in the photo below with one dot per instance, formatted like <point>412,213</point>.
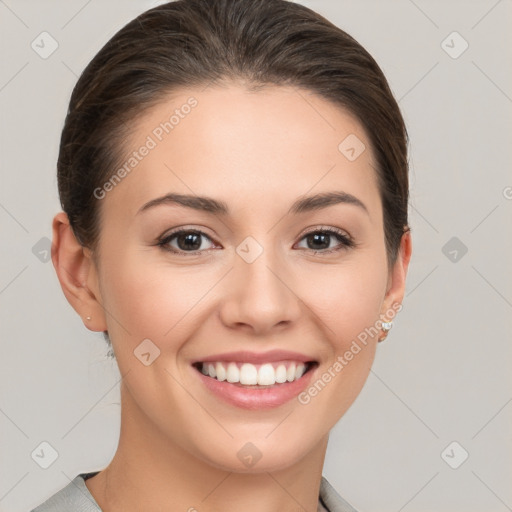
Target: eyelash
<point>346,241</point>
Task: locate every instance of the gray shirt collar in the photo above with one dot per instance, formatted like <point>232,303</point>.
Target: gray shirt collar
<point>75,497</point>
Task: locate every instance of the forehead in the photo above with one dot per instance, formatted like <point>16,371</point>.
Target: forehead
<point>236,145</point>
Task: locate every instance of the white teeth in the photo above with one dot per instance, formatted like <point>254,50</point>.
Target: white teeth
<point>233,373</point>
<point>249,374</point>
<point>290,373</point>
<point>281,374</point>
<point>221,372</point>
<point>299,371</point>
<point>266,375</point>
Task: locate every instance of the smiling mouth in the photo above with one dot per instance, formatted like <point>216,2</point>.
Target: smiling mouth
<point>255,375</point>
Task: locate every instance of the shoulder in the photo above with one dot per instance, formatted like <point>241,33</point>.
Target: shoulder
<point>331,500</point>
<point>75,497</point>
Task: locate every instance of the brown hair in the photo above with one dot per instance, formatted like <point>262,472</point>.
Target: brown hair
<point>197,42</point>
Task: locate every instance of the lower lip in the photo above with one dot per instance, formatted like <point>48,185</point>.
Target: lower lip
<point>256,398</point>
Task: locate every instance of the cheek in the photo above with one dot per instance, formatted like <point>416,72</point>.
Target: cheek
<point>347,298</point>
<point>348,305</point>
<point>153,300</point>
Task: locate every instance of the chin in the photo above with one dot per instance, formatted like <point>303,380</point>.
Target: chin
<point>259,455</point>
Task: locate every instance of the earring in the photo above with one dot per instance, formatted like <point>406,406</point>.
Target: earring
<point>88,318</point>
<point>386,326</point>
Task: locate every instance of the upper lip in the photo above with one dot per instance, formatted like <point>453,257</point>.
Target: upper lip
<point>244,356</point>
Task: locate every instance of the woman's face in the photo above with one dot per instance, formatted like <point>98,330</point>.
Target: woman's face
<point>255,281</point>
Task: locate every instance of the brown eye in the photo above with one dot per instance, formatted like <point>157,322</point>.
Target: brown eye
<point>321,240</point>
<point>318,241</point>
<point>185,240</point>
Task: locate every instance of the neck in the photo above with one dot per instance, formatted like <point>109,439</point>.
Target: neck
<point>150,470</point>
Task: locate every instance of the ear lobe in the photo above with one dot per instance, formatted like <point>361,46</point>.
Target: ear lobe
<point>74,266</point>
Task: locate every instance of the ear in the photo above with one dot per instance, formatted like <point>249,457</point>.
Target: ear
<point>77,274</point>
<point>396,281</point>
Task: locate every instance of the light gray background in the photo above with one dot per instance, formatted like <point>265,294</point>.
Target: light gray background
<point>443,375</point>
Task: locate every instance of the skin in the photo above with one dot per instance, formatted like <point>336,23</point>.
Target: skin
<point>258,152</point>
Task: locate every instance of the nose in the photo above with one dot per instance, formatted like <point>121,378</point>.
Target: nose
<point>260,296</point>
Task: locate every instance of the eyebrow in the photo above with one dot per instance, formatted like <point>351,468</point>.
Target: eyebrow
<point>210,205</point>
